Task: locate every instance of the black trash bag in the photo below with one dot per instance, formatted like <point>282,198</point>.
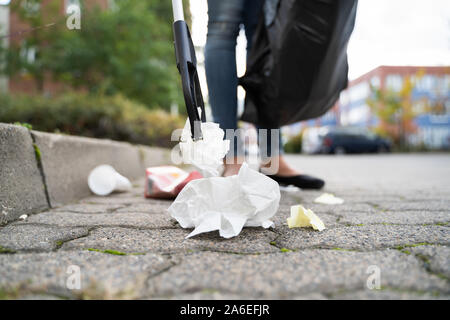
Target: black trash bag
<point>298,63</point>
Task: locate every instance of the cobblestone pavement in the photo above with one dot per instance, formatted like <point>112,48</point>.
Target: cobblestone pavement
<point>395,217</point>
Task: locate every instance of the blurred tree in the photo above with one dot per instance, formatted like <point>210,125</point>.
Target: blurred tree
<point>126,49</point>
<point>394,111</point>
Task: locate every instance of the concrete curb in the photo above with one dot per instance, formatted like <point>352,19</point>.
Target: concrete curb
<point>42,170</point>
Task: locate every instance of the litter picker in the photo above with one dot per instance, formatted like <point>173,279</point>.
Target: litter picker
<point>187,66</point>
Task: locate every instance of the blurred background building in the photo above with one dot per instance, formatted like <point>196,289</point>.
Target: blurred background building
<point>429,98</point>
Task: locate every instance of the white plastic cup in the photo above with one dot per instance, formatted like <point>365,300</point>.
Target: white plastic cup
<point>104,179</point>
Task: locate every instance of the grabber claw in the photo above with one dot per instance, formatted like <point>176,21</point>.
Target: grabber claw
<point>187,66</point>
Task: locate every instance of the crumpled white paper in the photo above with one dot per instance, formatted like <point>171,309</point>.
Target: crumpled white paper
<point>227,204</point>
<point>328,198</point>
<point>206,154</point>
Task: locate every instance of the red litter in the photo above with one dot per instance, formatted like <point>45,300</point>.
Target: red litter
<point>167,181</point>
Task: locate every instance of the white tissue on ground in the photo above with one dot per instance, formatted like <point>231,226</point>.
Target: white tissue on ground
<point>206,154</point>
<point>227,204</point>
<point>290,188</point>
<point>328,198</point>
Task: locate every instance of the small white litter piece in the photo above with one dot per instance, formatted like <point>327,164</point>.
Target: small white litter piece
<point>301,218</point>
<point>104,180</point>
<point>23,217</point>
<point>290,188</point>
<point>328,198</point>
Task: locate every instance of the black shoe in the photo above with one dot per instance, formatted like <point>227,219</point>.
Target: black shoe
<point>302,181</point>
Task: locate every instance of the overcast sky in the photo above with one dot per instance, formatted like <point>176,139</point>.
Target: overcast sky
<point>387,32</point>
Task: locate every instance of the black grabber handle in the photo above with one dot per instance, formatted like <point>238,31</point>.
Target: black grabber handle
<point>187,66</point>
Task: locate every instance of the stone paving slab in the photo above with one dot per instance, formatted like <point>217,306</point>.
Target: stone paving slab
<point>363,238</point>
<point>395,217</point>
<point>140,252</point>
<point>390,295</point>
<point>283,275</point>
<point>102,275</point>
<point>35,237</point>
<point>116,199</point>
<point>436,258</point>
<point>202,295</point>
<point>91,208</point>
<point>131,219</point>
<point>253,240</point>
<point>345,207</point>
<point>435,205</point>
<point>121,205</point>
<point>152,206</point>
<point>210,294</point>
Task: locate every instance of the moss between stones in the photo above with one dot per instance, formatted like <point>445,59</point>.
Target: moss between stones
<point>416,292</point>
<point>37,152</point>
<point>141,154</point>
<point>413,245</point>
<point>9,294</point>
<point>442,276</point>
<point>285,250</point>
<point>115,252</point>
<point>6,250</point>
<point>442,224</point>
<point>210,291</point>
<point>424,258</point>
<point>341,249</point>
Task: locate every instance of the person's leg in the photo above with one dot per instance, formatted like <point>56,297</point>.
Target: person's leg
<point>224,20</point>
<point>221,54</point>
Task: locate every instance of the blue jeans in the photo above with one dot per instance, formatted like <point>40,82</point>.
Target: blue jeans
<point>225,18</point>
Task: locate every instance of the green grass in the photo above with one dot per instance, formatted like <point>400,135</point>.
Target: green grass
<point>24,124</point>
<point>115,252</point>
<point>37,152</point>
<point>285,250</point>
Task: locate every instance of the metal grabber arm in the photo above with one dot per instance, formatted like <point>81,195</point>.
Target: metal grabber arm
<point>187,66</point>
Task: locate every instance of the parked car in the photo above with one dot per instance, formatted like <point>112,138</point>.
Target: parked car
<point>343,140</point>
